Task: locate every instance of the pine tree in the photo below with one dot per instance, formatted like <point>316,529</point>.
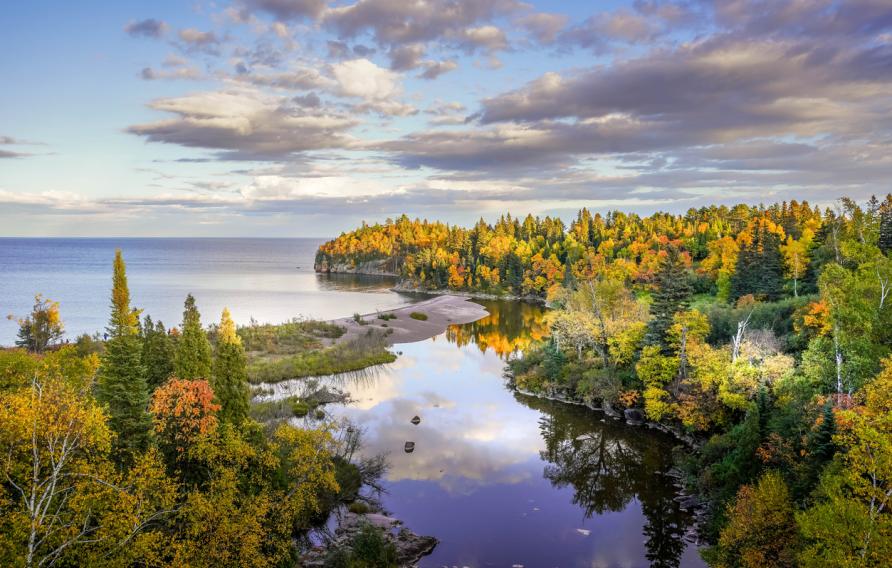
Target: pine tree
<point>759,270</point>
<point>121,383</point>
<point>821,444</point>
<point>193,355</point>
<point>157,353</point>
<point>230,382</point>
<point>672,295</point>
<point>885,241</point>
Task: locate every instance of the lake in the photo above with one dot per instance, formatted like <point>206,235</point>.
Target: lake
<point>499,478</point>
<point>271,280</point>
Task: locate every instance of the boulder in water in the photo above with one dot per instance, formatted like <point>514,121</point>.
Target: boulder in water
<point>410,447</point>
<point>634,416</point>
<point>416,420</point>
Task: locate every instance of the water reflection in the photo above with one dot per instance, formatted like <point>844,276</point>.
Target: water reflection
<point>610,465</point>
<point>505,479</point>
<point>355,282</point>
<point>509,328</point>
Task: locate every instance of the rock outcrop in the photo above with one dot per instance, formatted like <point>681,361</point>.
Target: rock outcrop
<point>410,547</point>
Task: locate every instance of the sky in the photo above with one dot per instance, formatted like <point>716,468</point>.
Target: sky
<point>298,118</point>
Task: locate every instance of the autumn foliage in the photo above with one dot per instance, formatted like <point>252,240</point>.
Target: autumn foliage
<point>182,411</point>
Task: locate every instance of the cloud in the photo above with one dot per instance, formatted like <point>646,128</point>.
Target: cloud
<point>543,26</point>
<point>246,124</point>
<point>486,38</point>
<point>397,22</point>
<point>433,69</point>
<point>11,154</point>
<point>718,90</point>
<point>406,57</point>
<point>150,28</point>
<point>150,74</point>
<point>199,40</point>
<point>362,78</point>
<point>286,10</point>
<point>10,141</point>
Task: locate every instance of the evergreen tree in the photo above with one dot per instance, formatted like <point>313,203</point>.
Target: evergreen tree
<point>121,383</point>
<point>513,271</point>
<point>230,382</point>
<point>672,295</point>
<point>193,355</point>
<point>821,445</point>
<point>759,270</point>
<point>885,241</point>
<point>157,353</point>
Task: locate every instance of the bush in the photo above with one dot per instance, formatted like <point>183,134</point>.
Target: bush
<point>300,408</point>
<point>368,549</point>
<point>386,317</point>
<point>359,508</point>
<point>420,316</point>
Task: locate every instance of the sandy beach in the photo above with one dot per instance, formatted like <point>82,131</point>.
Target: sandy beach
<point>441,312</point>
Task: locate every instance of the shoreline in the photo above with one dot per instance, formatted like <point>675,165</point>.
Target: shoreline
<point>441,311</point>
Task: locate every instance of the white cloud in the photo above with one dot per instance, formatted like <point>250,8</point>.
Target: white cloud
<point>362,78</point>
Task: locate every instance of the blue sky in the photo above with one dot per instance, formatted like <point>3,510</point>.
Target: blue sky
<point>304,117</point>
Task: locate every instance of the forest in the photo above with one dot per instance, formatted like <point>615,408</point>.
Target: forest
<point>138,448</point>
<point>760,336</point>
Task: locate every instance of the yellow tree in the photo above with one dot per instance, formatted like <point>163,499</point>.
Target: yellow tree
<point>852,524</point>
<point>796,256</point>
<point>42,327</point>
<point>61,500</point>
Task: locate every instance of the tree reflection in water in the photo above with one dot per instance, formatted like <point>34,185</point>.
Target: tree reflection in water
<point>509,328</point>
<point>607,465</point>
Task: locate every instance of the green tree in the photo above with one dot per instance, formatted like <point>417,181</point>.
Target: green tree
<point>193,356</point>
<point>121,383</point>
<point>42,327</point>
<point>885,240</point>
<point>672,295</point>
<point>230,381</point>
<point>760,266</point>
<point>157,353</point>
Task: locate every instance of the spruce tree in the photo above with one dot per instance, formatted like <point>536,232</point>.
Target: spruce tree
<point>121,382</point>
<point>672,295</point>
<point>759,270</point>
<point>885,241</point>
<point>157,353</point>
<point>230,381</point>
<point>193,355</point>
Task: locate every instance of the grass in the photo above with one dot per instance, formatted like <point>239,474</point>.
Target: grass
<point>288,338</point>
<point>420,316</point>
<point>386,317</point>
<point>353,355</point>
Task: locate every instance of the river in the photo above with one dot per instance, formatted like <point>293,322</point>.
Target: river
<point>503,479</point>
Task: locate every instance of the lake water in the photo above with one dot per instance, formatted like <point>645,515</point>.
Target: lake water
<point>503,479</point>
<point>271,280</point>
<point>500,479</point>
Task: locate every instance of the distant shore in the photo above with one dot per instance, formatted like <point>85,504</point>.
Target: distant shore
<point>441,312</point>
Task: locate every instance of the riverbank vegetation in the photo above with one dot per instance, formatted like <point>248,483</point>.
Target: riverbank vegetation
<point>141,449</point>
<point>761,334</point>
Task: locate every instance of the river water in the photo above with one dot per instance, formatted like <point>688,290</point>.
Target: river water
<point>499,478</point>
<point>503,479</point>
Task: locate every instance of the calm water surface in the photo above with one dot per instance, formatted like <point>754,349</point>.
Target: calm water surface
<point>271,280</point>
<point>502,479</point>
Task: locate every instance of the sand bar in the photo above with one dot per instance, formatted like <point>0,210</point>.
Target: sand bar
<point>441,312</point>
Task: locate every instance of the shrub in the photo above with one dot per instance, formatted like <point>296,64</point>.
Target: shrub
<point>420,316</point>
